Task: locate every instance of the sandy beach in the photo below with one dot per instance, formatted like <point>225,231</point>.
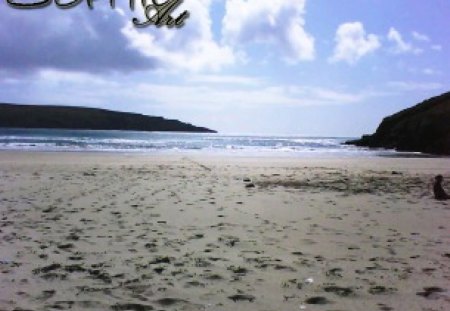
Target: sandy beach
<point>99,231</point>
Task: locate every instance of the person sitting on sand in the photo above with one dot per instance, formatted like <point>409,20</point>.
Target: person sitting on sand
<point>439,192</point>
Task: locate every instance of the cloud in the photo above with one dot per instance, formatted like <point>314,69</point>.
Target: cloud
<point>105,40</point>
<point>436,47</point>
<point>279,23</point>
<point>414,86</point>
<point>94,90</point>
<point>431,72</point>
<point>400,46</point>
<point>225,79</point>
<point>212,97</point>
<point>78,39</point>
<point>352,43</point>
<point>191,47</point>
<point>420,37</point>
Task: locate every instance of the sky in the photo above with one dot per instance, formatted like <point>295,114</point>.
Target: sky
<point>281,67</point>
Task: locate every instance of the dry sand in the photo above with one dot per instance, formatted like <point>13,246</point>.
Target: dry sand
<point>133,232</point>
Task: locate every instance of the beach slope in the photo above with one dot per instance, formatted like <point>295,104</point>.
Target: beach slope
<point>132,232</point>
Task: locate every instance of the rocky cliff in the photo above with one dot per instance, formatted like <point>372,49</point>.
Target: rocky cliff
<point>422,128</point>
<point>63,117</point>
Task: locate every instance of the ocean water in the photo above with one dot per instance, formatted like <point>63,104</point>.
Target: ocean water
<point>159,142</point>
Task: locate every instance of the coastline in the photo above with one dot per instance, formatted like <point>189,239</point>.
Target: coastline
<point>168,143</point>
<point>419,163</point>
<point>90,231</point>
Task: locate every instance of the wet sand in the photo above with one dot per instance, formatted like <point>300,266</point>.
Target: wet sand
<point>132,232</point>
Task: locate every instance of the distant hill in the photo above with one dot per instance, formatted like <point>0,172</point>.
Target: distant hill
<point>422,128</point>
<point>66,117</point>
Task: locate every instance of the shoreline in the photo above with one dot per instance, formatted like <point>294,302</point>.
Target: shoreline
<point>185,143</point>
<point>411,163</point>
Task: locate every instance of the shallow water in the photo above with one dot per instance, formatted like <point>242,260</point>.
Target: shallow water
<point>159,142</point>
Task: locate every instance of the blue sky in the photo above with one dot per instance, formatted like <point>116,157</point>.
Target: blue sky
<point>302,67</point>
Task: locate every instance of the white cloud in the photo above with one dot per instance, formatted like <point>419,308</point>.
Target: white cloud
<point>352,43</point>
<point>325,96</point>
<point>191,47</point>
<point>414,86</point>
<point>280,23</point>
<point>58,77</point>
<point>436,47</point>
<point>192,93</point>
<point>431,72</point>
<point>400,45</point>
<point>420,37</point>
<point>225,79</point>
<point>214,96</point>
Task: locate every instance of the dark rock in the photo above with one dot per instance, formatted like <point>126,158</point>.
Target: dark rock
<point>242,297</point>
<point>238,270</point>
<point>381,290</point>
<point>100,275</point>
<point>65,246</point>
<point>283,267</point>
<point>229,240</point>
<point>334,272</point>
<point>194,284</point>
<point>167,302</point>
<point>47,268</point>
<point>159,270</point>
<point>49,210</point>
<point>73,237</point>
<point>213,277</point>
<point>160,260</point>
<point>340,291</point>
<point>131,306</point>
<point>54,276</point>
<point>151,245</point>
<point>62,305</point>
<point>74,268</point>
<point>317,301</point>
<point>431,292</point>
<point>422,128</point>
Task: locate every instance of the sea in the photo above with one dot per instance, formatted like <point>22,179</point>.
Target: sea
<point>57,140</point>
